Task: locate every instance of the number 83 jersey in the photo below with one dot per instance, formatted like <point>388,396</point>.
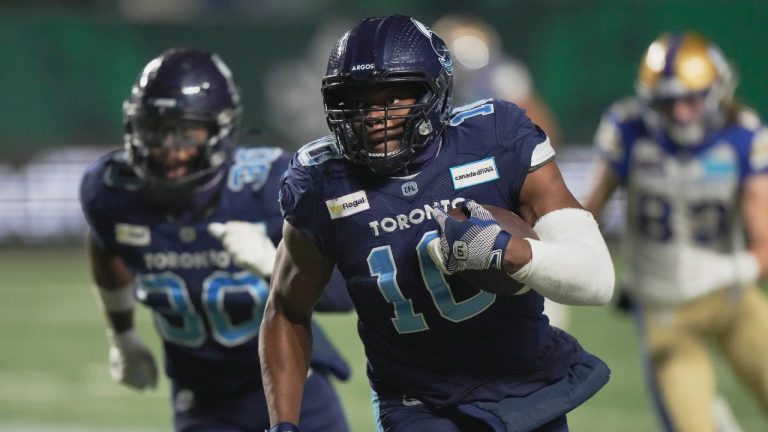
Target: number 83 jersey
<point>680,200</point>
<point>428,335</point>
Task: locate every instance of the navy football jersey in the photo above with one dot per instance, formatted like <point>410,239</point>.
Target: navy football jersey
<point>427,334</point>
<point>207,310</point>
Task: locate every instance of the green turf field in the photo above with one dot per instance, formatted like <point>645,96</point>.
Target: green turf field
<point>53,373</point>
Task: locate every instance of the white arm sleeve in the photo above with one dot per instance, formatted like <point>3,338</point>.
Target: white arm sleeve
<point>116,300</point>
<point>570,264</point>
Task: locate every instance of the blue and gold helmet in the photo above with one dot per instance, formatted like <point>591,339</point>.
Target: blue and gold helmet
<point>181,88</point>
<point>684,65</point>
<point>386,51</point>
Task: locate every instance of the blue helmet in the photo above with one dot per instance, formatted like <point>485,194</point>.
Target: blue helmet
<point>179,88</point>
<point>393,50</point>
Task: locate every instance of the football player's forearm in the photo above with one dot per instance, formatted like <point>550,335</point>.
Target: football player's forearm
<point>284,350</point>
<point>516,255</point>
<point>571,263</point>
<point>118,305</point>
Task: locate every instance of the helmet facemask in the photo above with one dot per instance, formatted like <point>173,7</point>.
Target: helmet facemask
<point>361,129</point>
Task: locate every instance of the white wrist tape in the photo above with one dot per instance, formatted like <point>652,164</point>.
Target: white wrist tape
<point>116,300</point>
<point>570,264</point>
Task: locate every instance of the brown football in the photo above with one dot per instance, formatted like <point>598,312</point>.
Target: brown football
<point>492,280</point>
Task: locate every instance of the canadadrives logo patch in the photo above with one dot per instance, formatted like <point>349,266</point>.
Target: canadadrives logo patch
<point>132,235</point>
<point>474,173</point>
<point>348,205</point>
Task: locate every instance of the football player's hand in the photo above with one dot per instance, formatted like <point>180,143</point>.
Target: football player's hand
<point>477,243</point>
<point>248,243</point>
<point>131,363</point>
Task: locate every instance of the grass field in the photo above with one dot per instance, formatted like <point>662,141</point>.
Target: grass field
<point>53,373</point>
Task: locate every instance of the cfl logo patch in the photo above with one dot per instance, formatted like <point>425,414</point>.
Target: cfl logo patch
<point>460,250</point>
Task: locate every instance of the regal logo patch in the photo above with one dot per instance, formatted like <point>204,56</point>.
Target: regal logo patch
<point>132,235</point>
<point>348,205</point>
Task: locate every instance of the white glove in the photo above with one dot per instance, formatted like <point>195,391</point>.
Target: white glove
<point>130,361</point>
<point>703,271</point>
<point>248,243</point>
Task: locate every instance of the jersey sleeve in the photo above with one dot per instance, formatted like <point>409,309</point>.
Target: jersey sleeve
<point>610,145</point>
<point>94,204</point>
<point>758,154</point>
<point>526,145</point>
<point>298,200</point>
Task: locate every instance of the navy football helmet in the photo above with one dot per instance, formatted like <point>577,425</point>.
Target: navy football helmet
<point>389,51</point>
<point>181,90</point>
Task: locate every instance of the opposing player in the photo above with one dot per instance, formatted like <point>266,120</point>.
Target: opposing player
<point>442,356</point>
<point>157,211</point>
<point>693,164</point>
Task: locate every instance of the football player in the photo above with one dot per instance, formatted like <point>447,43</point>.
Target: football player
<point>159,211</point>
<point>693,164</point>
<point>372,196</point>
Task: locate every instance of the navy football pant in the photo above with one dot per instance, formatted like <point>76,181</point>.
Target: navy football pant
<point>195,412</point>
<point>403,414</point>
<point>541,411</point>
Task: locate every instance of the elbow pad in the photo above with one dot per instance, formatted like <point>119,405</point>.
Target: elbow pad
<point>570,263</point>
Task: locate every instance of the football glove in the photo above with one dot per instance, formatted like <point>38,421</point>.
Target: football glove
<point>248,243</point>
<point>130,361</point>
<point>477,243</point>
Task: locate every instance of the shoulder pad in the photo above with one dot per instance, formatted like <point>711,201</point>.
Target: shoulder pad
<point>625,109</point>
<point>748,118</point>
<point>318,151</point>
<point>481,107</point>
<point>252,166</point>
<point>118,174</point>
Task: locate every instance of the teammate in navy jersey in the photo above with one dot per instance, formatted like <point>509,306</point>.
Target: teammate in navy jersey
<point>159,211</point>
<point>442,356</point>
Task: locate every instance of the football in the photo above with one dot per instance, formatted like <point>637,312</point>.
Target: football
<point>492,280</point>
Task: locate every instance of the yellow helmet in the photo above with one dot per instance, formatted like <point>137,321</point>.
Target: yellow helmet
<point>679,65</point>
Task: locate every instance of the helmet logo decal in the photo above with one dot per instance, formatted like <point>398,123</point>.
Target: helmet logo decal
<point>440,48</point>
<point>360,67</point>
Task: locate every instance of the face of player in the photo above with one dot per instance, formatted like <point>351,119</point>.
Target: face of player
<point>684,110</point>
<point>178,150</point>
<point>385,110</point>
<point>685,118</point>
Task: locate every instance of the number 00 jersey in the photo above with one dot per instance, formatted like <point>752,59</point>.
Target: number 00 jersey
<point>426,334</point>
<point>207,310</point>
<point>679,200</point>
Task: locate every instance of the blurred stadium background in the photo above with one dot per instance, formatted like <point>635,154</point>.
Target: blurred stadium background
<point>66,66</point>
